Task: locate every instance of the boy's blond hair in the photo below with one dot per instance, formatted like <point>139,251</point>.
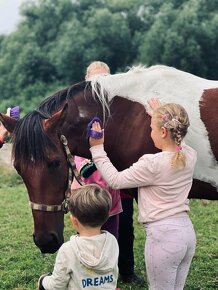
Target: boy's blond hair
<point>175,119</point>
<point>90,204</point>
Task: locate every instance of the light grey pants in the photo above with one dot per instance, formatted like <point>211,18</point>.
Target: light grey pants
<point>169,249</point>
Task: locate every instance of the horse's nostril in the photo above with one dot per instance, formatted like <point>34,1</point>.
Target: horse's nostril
<point>49,243</point>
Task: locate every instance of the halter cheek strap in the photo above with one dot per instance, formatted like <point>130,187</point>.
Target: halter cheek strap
<point>72,170</point>
<point>72,165</point>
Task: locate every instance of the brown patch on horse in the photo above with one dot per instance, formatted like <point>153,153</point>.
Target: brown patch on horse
<point>208,111</point>
<point>201,189</point>
<point>128,130</point>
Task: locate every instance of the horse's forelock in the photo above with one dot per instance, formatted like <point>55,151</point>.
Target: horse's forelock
<point>30,143</point>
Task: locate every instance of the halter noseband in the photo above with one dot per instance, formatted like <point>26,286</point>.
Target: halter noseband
<point>72,170</point>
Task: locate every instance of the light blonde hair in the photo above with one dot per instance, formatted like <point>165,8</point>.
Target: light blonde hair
<point>90,204</point>
<point>175,119</point>
<point>97,65</point>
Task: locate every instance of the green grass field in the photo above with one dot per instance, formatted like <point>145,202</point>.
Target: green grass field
<point>21,263</point>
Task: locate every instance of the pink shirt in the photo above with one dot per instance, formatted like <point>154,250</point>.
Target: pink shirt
<point>162,190</point>
<point>96,178</point>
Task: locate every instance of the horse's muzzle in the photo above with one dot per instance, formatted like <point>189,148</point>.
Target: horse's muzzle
<point>48,243</point>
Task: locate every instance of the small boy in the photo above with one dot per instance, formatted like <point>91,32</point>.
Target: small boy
<point>89,260</point>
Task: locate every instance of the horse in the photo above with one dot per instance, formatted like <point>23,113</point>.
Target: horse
<point>46,139</point>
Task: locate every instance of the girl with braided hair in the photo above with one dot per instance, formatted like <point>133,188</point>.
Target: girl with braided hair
<point>164,180</point>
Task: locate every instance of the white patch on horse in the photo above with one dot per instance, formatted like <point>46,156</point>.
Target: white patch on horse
<point>169,85</point>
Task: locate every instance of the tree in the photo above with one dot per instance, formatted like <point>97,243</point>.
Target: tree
<point>183,36</point>
<point>57,39</point>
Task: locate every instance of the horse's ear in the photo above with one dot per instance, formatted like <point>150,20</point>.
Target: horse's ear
<point>8,122</point>
<point>56,121</point>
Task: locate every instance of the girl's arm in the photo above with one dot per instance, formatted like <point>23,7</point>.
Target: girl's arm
<point>141,173</point>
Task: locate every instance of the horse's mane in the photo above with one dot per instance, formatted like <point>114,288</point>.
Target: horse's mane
<point>30,142</point>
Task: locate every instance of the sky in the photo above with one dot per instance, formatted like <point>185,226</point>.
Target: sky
<point>9,15</point>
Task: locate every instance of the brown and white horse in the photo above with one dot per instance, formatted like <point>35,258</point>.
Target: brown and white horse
<point>119,100</point>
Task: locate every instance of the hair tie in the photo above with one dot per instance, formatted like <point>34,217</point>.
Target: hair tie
<point>178,148</point>
<point>165,117</point>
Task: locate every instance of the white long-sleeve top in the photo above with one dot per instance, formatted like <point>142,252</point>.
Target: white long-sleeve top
<point>162,190</point>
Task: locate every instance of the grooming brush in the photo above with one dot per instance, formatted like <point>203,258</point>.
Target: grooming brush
<point>14,112</point>
<point>92,133</point>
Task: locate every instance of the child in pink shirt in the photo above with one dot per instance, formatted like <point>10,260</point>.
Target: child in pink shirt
<point>112,223</point>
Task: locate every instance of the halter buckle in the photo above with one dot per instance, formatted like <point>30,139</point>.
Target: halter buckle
<point>63,140</point>
<point>65,207</point>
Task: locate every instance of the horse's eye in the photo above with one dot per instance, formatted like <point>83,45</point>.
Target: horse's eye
<point>54,164</point>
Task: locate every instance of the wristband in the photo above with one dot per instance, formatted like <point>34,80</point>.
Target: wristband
<point>88,169</point>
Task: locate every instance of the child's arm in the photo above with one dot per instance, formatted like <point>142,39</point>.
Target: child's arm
<point>88,171</point>
<point>60,277</point>
<point>141,173</point>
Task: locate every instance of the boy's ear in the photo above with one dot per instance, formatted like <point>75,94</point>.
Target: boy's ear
<point>74,220</point>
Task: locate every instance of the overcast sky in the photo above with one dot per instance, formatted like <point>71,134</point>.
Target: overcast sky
<point>9,15</point>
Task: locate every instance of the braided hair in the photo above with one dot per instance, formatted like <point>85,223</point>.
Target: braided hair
<point>175,119</point>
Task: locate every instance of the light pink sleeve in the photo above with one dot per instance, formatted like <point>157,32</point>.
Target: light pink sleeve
<point>141,173</point>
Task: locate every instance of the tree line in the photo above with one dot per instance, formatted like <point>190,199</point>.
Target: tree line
<point>57,39</point>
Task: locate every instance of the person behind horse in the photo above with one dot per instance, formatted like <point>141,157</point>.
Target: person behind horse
<point>164,180</point>
<point>92,175</point>
<point>120,223</point>
<point>90,258</point>
<point>3,131</point>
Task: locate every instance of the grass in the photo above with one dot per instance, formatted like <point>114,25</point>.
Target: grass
<point>21,263</point>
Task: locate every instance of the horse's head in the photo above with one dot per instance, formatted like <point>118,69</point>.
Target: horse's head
<point>40,159</point>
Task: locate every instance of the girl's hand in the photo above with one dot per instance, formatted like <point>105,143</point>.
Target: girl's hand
<point>92,141</point>
<point>3,132</point>
<point>153,105</point>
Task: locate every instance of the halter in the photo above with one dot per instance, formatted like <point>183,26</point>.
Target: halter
<point>72,170</point>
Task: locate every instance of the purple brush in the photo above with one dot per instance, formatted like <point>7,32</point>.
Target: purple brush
<point>92,133</point>
<point>15,113</point>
